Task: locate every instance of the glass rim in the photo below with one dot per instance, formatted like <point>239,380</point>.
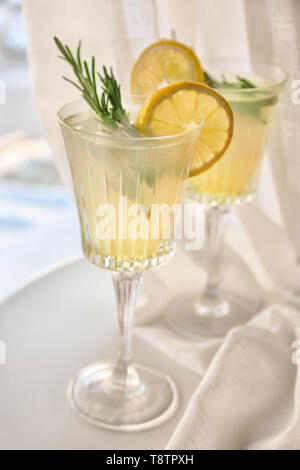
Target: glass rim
<point>112,138</point>
<point>277,82</point>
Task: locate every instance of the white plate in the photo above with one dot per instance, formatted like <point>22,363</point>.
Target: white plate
<point>52,327</point>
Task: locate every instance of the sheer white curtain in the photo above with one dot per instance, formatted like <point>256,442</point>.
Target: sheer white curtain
<point>274,34</point>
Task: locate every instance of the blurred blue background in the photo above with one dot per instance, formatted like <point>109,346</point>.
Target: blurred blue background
<point>38,223</point>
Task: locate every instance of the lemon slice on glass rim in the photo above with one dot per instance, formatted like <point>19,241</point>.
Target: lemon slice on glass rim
<point>178,106</point>
<point>164,62</point>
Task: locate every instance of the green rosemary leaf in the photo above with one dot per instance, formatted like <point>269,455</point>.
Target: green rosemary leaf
<point>60,46</point>
<point>78,56</point>
<point>73,83</point>
<point>86,68</point>
<point>245,83</point>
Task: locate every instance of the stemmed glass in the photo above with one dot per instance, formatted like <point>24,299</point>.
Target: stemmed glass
<point>231,181</point>
<point>117,182</point>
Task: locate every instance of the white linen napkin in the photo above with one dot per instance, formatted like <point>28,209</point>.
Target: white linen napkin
<point>247,394</point>
<point>249,397</point>
<point>168,284</point>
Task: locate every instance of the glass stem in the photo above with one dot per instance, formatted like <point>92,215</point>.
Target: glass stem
<point>215,225</point>
<point>126,286</point>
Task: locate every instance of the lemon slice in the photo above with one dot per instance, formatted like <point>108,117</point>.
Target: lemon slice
<point>176,107</point>
<point>164,62</point>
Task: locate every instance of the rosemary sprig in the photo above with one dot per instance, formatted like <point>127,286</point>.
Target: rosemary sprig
<point>253,106</point>
<point>108,106</point>
<point>240,84</point>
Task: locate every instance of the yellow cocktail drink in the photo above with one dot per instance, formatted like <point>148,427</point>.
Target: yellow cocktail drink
<point>253,93</point>
<point>120,184</point>
<point>234,178</point>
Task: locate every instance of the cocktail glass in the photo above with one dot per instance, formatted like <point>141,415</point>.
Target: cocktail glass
<point>119,182</point>
<point>231,181</point>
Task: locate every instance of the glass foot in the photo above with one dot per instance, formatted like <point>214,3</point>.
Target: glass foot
<point>150,399</point>
<point>208,316</point>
